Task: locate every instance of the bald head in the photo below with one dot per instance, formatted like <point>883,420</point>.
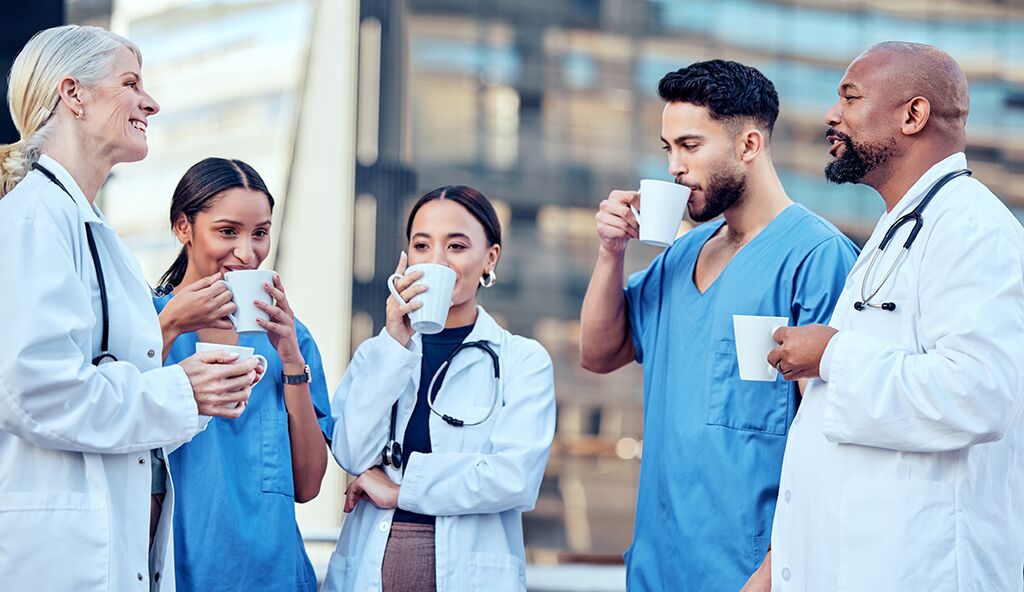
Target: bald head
<point>909,70</point>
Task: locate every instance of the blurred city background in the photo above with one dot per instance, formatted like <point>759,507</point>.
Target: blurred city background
<point>352,108</point>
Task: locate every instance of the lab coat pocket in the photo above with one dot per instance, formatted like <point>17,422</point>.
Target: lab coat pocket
<point>743,404</point>
<point>898,535</point>
<point>37,527</point>
<point>341,574</point>
<point>495,572</point>
<point>275,453</point>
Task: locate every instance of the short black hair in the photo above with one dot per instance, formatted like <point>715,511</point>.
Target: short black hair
<point>727,89</point>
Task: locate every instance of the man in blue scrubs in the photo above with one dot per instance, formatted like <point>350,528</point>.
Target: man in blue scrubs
<point>713,443</point>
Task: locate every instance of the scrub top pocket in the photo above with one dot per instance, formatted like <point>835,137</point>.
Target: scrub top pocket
<point>275,453</point>
<point>742,404</point>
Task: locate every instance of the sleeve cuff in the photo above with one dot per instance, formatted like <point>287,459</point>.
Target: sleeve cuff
<point>825,366</point>
<point>409,487</point>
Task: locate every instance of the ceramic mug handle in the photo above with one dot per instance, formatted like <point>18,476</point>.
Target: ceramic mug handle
<point>394,291</point>
<point>231,316</point>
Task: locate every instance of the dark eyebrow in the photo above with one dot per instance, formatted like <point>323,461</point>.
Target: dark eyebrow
<point>848,86</point>
<point>237,223</point>
<point>684,138</point>
<point>450,235</point>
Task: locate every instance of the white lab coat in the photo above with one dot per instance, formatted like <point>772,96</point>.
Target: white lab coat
<point>903,470</point>
<point>75,439</point>
<point>478,479</point>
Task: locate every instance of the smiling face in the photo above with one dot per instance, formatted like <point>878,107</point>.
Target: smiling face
<point>445,233</point>
<point>702,155</point>
<point>232,234</point>
<point>116,111</point>
<point>864,123</point>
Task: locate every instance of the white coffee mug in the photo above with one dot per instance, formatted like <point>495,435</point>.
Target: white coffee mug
<point>243,352</point>
<point>247,285</point>
<point>440,282</point>
<point>663,204</point>
<point>753,344</point>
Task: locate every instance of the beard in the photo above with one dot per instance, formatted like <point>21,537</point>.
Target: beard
<point>857,160</point>
<point>721,192</point>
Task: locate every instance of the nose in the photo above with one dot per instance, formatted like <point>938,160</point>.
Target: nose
<point>676,165</point>
<point>245,252</point>
<point>149,104</point>
<point>834,115</point>
<point>439,256</point>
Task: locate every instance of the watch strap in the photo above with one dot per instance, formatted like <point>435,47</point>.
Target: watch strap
<point>297,378</point>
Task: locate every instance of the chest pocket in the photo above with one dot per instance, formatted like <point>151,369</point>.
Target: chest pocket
<point>275,453</point>
<point>742,404</point>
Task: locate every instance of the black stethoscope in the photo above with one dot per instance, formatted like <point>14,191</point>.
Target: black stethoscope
<point>105,356</point>
<point>918,220</point>
<point>392,454</point>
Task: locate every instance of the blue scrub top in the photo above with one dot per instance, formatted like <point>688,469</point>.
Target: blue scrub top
<point>234,506</point>
<point>713,443</point>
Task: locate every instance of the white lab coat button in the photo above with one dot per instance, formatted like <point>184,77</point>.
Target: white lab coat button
<point>151,353</point>
<point>384,525</point>
<point>142,461</point>
<point>139,576</point>
<point>787,496</point>
<point>786,573</point>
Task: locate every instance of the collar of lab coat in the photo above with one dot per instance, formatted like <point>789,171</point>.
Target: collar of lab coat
<point>484,329</point>
<point>89,212</point>
<point>915,194</point>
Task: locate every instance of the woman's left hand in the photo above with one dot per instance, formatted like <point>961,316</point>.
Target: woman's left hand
<point>281,326</point>
<point>375,486</point>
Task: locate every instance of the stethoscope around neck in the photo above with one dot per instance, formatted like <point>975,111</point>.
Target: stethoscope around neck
<point>918,220</point>
<point>392,453</point>
<point>104,355</point>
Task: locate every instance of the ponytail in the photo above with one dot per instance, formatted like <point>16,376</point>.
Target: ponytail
<point>174,274</point>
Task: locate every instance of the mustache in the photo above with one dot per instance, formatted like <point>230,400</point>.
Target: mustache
<point>693,187</point>
<point>844,137</point>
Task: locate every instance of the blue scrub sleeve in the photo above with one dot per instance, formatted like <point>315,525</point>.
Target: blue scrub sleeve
<point>643,302</point>
<point>820,279</point>
<point>318,385</point>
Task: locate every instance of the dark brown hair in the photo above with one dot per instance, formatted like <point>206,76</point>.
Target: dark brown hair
<point>196,192</point>
<point>471,199</point>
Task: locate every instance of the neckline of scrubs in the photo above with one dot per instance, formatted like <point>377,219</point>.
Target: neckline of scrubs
<point>737,259</point>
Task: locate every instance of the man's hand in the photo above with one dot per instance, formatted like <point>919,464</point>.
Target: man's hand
<point>800,350</point>
<point>761,580</point>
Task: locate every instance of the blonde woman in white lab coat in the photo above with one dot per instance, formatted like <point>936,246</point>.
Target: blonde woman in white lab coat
<point>443,513</point>
<point>86,411</point>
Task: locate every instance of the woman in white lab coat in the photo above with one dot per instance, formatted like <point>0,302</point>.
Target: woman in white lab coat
<point>444,475</point>
<point>86,411</point>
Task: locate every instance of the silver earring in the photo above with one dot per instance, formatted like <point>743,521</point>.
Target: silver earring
<point>487,280</point>
<point>80,113</point>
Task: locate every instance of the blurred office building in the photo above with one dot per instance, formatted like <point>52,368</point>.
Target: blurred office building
<point>352,108</point>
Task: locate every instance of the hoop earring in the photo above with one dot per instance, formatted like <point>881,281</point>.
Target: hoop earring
<point>487,280</point>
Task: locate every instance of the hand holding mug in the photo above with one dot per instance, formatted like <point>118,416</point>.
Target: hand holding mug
<point>281,324</point>
<point>615,221</point>
<point>203,304</point>
<point>220,383</point>
<point>398,324</point>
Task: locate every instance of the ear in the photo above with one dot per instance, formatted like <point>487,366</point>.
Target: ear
<point>493,254</point>
<point>915,116</point>
<point>750,143</point>
<point>71,94</point>
<point>182,229</point>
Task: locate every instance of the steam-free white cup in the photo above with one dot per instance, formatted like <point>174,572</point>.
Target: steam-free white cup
<point>753,344</point>
<point>247,285</point>
<point>663,204</point>
<point>244,353</point>
<point>440,282</point>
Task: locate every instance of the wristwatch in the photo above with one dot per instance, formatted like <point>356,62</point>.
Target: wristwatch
<point>297,378</point>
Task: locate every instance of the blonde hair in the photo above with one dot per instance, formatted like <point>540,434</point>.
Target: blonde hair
<point>84,53</point>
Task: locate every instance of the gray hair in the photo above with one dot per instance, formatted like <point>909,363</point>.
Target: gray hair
<point>84,53</point>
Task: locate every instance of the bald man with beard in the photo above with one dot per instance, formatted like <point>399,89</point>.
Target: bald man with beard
<point>904,469</point>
